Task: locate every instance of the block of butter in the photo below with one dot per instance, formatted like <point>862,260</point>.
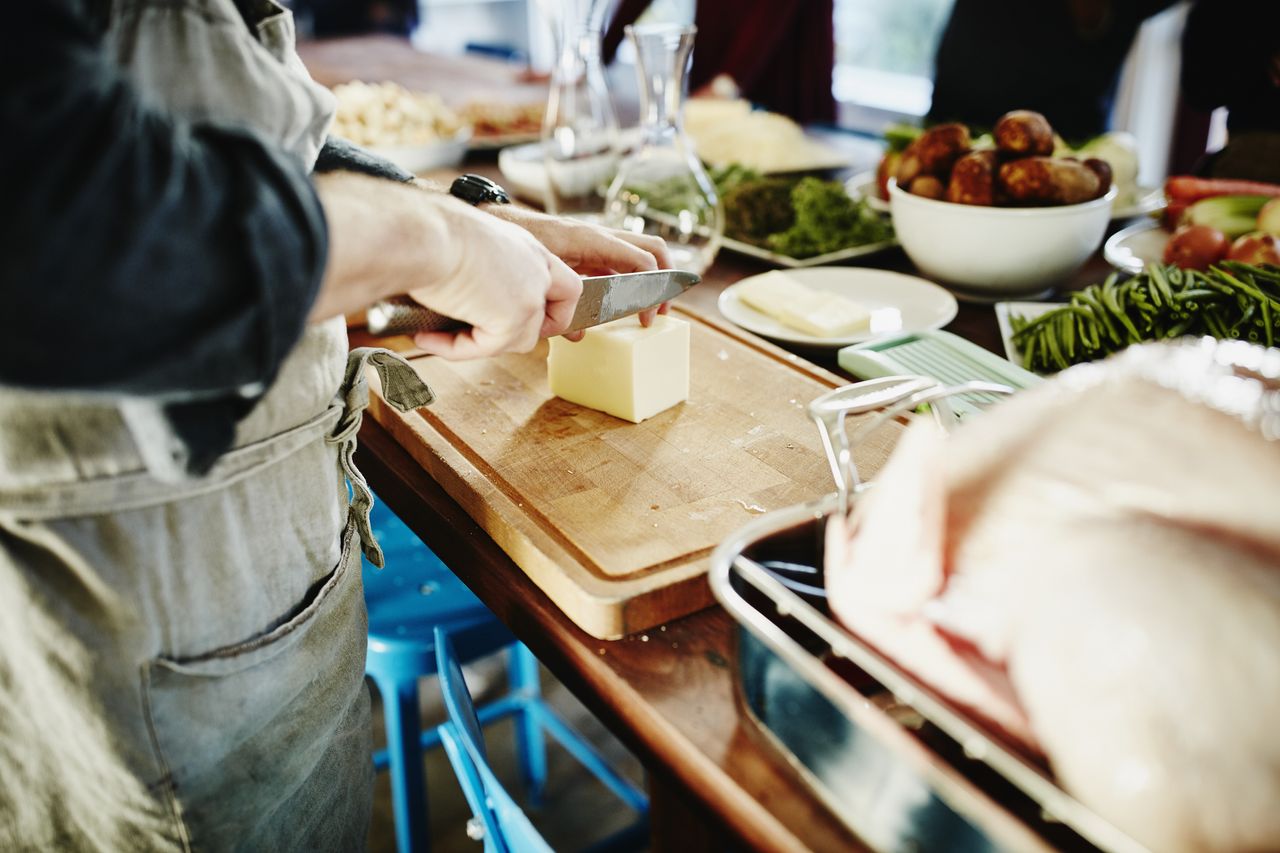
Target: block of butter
<point>820,313</point>
<point>624,369</point>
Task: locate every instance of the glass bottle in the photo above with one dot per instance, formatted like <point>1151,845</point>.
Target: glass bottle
<point>580,128</point>
<point>661,187</point>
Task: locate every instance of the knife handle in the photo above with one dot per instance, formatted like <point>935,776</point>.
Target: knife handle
<point>401,315</point>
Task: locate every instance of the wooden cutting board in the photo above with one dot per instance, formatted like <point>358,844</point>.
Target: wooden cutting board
<point>615,521</point>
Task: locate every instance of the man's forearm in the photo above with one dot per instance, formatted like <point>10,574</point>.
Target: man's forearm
<point>384,238</point>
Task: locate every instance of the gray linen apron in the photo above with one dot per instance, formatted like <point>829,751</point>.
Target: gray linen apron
<point>223,616</point>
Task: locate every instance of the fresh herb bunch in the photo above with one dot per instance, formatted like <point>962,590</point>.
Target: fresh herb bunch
<point>1231,300</point>
<point>798,218</point>
<point>754,210</point>
<point>826,220</point>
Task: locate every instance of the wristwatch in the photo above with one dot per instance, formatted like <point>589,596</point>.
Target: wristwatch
<point>477,189</point>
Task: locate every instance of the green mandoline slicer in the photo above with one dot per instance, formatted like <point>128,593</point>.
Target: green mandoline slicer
<point>942,356</point>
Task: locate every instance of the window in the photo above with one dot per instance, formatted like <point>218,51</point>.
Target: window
<point>884,59</point>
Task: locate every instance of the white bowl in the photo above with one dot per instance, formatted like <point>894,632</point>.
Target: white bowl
<point>998,251</point>
<point>440,154</point>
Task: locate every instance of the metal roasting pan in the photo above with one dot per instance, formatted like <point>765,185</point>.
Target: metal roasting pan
<point>895,761</point>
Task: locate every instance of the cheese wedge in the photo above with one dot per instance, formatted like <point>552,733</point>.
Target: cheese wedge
<point>815,312</point>
<point>624,369</point>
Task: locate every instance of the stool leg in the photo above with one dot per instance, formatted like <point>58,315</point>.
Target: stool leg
<point>531,747</point>
<point>408,780</point>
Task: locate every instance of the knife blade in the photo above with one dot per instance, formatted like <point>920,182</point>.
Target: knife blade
<point>604,298</point>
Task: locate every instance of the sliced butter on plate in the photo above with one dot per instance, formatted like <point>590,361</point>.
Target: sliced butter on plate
<point>830,306</point>
<point>820,313</point>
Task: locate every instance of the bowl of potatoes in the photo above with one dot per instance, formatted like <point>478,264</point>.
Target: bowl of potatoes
<point>1000,220</point>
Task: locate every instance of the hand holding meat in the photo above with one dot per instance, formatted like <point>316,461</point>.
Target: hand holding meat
<point>1095,569</point>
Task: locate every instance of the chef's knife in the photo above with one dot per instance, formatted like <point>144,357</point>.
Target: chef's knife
<point>604,298</point>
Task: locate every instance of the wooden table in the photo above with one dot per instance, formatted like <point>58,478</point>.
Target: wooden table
<point>668,693</point>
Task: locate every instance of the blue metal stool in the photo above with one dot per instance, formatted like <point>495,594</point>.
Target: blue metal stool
<point>505,826</point>
<point>408,600</point>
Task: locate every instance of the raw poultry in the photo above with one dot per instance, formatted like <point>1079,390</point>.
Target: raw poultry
<point>1097,572</point>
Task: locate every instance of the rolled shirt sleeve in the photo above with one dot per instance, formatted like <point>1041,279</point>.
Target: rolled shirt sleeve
<point>144,255</point>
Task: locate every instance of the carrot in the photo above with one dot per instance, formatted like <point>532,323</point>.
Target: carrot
<point>1173,212</point>
<point>1188,189</point>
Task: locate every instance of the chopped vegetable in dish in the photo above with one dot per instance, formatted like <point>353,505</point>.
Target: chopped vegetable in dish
<point>827,220</point>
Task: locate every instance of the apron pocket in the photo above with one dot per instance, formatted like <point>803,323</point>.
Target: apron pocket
<point>266,743</point>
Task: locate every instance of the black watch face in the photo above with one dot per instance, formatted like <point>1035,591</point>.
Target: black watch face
<point>477,189</point>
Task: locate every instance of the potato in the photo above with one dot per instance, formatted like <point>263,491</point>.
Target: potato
<point>1024,133</point>
<point>1102,169</point>
<point>887,169</point>
<point>940,147</point>
<point>973,179</point>
<point>908,167</point>
<point>927,186</point>
<point>1046,181</point>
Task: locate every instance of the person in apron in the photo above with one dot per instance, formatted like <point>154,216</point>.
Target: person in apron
<point>183,656</point>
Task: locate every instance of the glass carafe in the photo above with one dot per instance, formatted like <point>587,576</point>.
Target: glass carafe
<point>580,128</point>
<point>661,187</point>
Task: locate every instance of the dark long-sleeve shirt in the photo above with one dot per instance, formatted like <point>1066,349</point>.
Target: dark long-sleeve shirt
<point>1231,58</point>
<point>142,254</point>
<point>1001,55</point>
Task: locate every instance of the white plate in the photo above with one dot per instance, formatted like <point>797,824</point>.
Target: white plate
<point>863,185</point>
<point>820,160</point>
<point>800,263</point>
<point>897,302</point>
<point>494,142</point>
<point>524,171</point>
<point>1147,200</point>
<point>1030,310</point>
<point>1132,248</point>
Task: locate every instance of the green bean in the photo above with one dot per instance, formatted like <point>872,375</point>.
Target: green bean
<point>1229,301</point>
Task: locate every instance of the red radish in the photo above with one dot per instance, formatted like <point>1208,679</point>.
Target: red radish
<point>1256,248</point>
<point>1196,247</point>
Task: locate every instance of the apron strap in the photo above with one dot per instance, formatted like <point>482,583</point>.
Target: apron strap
<point>404,389</point>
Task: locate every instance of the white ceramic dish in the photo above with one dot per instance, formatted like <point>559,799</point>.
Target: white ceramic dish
<point>1147,200</point>
<point>818,159</point>
<point>998,251</point>
<point>863,185</point>
<point>442,154</point>
<point>803,263</point>
<point>898,303</point>
<point>524,171</point>
<point>1030,310</point>
<point>495,142</point>
<point>1131,249</point>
